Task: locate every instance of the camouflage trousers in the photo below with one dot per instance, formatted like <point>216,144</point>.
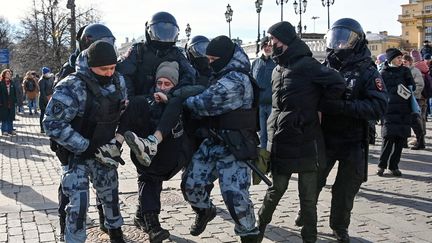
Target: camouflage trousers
<point>75,184</point>
<point>212,162</point>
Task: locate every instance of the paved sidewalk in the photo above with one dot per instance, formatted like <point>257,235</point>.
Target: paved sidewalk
<point>387,209</point>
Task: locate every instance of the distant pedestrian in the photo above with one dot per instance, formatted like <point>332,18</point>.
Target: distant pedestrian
<point>380,60</point>
<point>426,49</point>
<point>261,70</point>
<point>7,102</point>
<point>46,83</point>
<point>17,81</point>
<point>31,90</point>
<point>418,121</point>
<point>397,119</point>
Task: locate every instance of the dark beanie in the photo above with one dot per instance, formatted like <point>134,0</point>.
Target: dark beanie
<point>101,53</point>
<point>283,31</point>
<point>391,53</point>
<point>221,46</point>
<point>169,70</point>
<point>264,41</point>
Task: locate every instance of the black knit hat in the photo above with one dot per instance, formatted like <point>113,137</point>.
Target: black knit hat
<point>220,46</point>
<point>391,53</point>
<point>101,53</point>
<point>264,41</point>
<point>283,31</point>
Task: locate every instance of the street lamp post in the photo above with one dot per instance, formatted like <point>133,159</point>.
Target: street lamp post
<point>228,17</point>
<point>301,10</point>
<point>328,3</point>
<point>71,5</point>
<point>314,18</point>
<point>281,2</point>
<point>188,31</point>
<point>258,5</point>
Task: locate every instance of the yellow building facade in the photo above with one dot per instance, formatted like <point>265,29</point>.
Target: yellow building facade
<point>416,20</point>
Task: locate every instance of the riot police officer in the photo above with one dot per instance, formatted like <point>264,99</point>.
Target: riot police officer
<point>82,117</point>
<point>139,67</point>
<point>195,52</point>
<point>141,61</point>
<point>345,121</point>
<point>85,36</point>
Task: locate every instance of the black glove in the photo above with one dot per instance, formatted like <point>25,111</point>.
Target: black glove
<point>110,154</point>
<point>329,106</point>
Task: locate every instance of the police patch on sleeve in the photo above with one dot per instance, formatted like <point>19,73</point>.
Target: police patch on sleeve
<point>379,84</point>
<point>57,109</point>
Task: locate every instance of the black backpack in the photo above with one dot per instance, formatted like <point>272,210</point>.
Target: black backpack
<point>30,85</point>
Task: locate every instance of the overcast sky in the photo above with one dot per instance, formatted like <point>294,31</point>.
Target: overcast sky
<point>126,18</point>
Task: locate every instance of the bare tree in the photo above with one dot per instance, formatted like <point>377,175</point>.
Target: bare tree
<point>45,35</point>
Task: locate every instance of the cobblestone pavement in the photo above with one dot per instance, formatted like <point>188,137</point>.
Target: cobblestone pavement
<point>387,209</point>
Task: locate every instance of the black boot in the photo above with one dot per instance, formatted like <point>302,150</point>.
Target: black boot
<point>299,220</point>
<point>116,235</point>
<point>101,219</point>
<point>420,143</point>
<point>139,220</point>
<point>62,228</point>
<point>341,236</point>
<point>249,239</point>
<point>203,216</point>
<point>155,231</point>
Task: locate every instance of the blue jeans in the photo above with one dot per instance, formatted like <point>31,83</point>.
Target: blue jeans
<point>264,113</point>
<point>6,126</point>
<point>32,105</point>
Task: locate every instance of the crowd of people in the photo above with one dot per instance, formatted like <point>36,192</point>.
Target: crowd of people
<point>33,89</point>
<point>203,111</point>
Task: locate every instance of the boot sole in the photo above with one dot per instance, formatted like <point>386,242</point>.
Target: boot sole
<point>159,238</point>
<point>143,158</point>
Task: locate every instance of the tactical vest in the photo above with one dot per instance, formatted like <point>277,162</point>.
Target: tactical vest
<point>148,61</point>
<point>101,115</point>
<point>240,118</point>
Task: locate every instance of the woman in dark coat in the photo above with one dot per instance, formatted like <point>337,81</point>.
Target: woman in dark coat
<point>397,119</point>
<point>7,102</point>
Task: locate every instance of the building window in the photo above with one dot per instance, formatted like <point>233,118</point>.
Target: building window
<point>407,33</point>
<point>428,20</point>
<point>428,7</point>
<point>428,29</point>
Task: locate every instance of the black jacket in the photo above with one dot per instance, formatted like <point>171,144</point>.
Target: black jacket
<point>397,119</point>
<point>294,133</point>
<point>142,117</point>
<point>344,122</point>
<point>141,62</point>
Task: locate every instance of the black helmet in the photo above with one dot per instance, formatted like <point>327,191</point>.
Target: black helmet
<point>94,32</point>
<point>196,47</point>
<point>345,34</point>
<point>162,27</point>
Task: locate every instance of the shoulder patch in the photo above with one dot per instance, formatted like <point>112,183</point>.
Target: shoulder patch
<point>379,84</point>
<point>57,109</point>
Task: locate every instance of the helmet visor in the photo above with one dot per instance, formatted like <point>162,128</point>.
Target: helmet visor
<point>198,49</point>
<point>341,38</point>
<point>163,32</point>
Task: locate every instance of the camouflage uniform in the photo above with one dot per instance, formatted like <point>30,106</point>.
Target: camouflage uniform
<point>231,91</point>
<point>68,102</point>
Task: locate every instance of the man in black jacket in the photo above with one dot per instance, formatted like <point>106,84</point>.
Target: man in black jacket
<point>345,121</point>
<point>294,134</point>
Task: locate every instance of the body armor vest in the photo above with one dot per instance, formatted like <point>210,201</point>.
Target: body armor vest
<point>148,61</point>
<point>101,115</point>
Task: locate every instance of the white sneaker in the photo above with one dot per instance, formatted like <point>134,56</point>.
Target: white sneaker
<point>143,148</point>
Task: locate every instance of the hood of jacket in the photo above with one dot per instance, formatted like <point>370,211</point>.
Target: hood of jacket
<point>239,62</point>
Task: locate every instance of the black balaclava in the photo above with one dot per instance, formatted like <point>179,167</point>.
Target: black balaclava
<point>101,53</point>
<point>223,48</point>
<point>285,33</point>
